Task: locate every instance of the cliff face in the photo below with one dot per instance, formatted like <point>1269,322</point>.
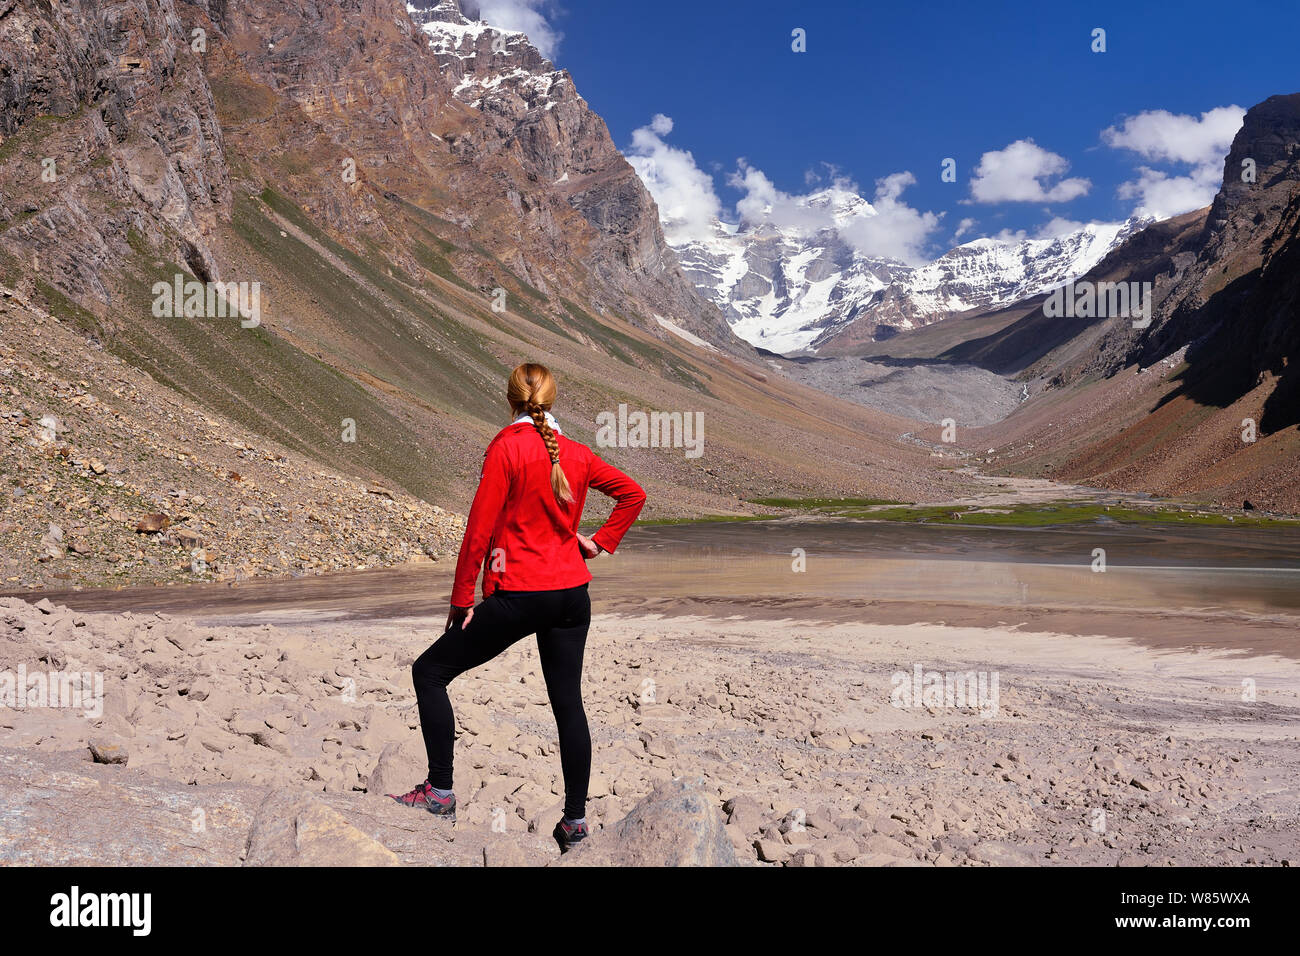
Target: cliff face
<point>533,118</point>
<point>412,240</point>
<point>1220,352</point>
<point>133,100</point>
<point>108,126</point>
<point>1238,303</point>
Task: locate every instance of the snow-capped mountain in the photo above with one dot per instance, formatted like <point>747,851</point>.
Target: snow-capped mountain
<point>489,61</point>
<point>789,289</point>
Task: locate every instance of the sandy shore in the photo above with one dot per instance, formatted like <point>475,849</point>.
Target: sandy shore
<point>1080,749</point>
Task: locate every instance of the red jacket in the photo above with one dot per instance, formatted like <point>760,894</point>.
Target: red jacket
<point>519,534</point>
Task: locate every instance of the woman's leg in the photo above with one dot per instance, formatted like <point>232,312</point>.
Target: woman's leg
<point>497,623</point>
<point>561,648</point>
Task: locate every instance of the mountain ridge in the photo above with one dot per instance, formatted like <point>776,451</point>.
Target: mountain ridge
<point>788,290</point>
<point>1203,401</point>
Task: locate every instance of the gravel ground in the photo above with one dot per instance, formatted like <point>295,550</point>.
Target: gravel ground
<point>1091,750</point>
<point>928,393</point>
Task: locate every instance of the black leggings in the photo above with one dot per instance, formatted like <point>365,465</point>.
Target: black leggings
<point>560,619</point>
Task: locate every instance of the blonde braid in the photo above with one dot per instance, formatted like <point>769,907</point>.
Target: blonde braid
<point>559,482</point>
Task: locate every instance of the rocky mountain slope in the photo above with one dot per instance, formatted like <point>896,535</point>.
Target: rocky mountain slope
<point>1204,401</point>
<point>532,112</point>
<point>112,478</point>
<point>788,289</point>
<point>408,247</point>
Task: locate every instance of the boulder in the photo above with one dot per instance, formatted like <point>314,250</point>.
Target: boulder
<point>153,523</point>
<point>677,824</point>
<point>401,765</point>
<point>108,749</point>
<point>293,829</point>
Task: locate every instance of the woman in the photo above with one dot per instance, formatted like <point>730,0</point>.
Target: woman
<point>524,524</point>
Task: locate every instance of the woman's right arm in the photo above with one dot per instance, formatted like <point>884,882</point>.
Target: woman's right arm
<point>629,497</point>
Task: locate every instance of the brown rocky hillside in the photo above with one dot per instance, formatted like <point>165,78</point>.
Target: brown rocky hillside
<point>147,140</point>
<point>1171,409</point>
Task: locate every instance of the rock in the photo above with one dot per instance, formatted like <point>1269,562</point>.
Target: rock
<point>183,638</point>
<point>59,810</point>
<point>879,844</point>
<point>840,849</point>
<point>153,523</point>
<point>744,813</point>
<point>293,829</point>
<point>44,606</point>
<point>187,539</point>
<point>794,821</point>
<point>108,750</point>
<point>889,827</point>
<point>676,824</point>
<point>742,842</point>
<point>500,849</point>
<point>772,851</point>
<point>999,853</point>
<point>255,729</point>
<point>400,767</point>
<point>52,543</point>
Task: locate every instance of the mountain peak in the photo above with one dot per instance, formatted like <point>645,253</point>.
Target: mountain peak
<point>803,287</point>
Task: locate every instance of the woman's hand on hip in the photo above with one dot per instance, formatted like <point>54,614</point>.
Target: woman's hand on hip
<point>588,547</point>
<point>461,615</point>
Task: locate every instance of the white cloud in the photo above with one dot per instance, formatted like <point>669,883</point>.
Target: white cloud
<point>684,192</point>
<point>963,227</point>
<point>1054,227</point>
<point>1178,138</point>
<point>524,16</point>
<point>1057,226</point>
<point>763,203</point>
<point>1163,137</point>
<point>1162,195</point>
<point>896,231</point>
<point>1016,174</point>
<point>886,227</point>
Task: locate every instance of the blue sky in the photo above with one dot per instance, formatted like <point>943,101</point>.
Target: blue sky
<point>891,89</point>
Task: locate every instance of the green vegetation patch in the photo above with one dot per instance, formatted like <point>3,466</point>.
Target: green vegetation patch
<point>706,519</point>
<point>811,504</point>
<point>65,310</point>
<point>1064,513</point>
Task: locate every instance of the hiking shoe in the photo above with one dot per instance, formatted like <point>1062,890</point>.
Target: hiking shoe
<point>423,797</point>
<point>567,834</point>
